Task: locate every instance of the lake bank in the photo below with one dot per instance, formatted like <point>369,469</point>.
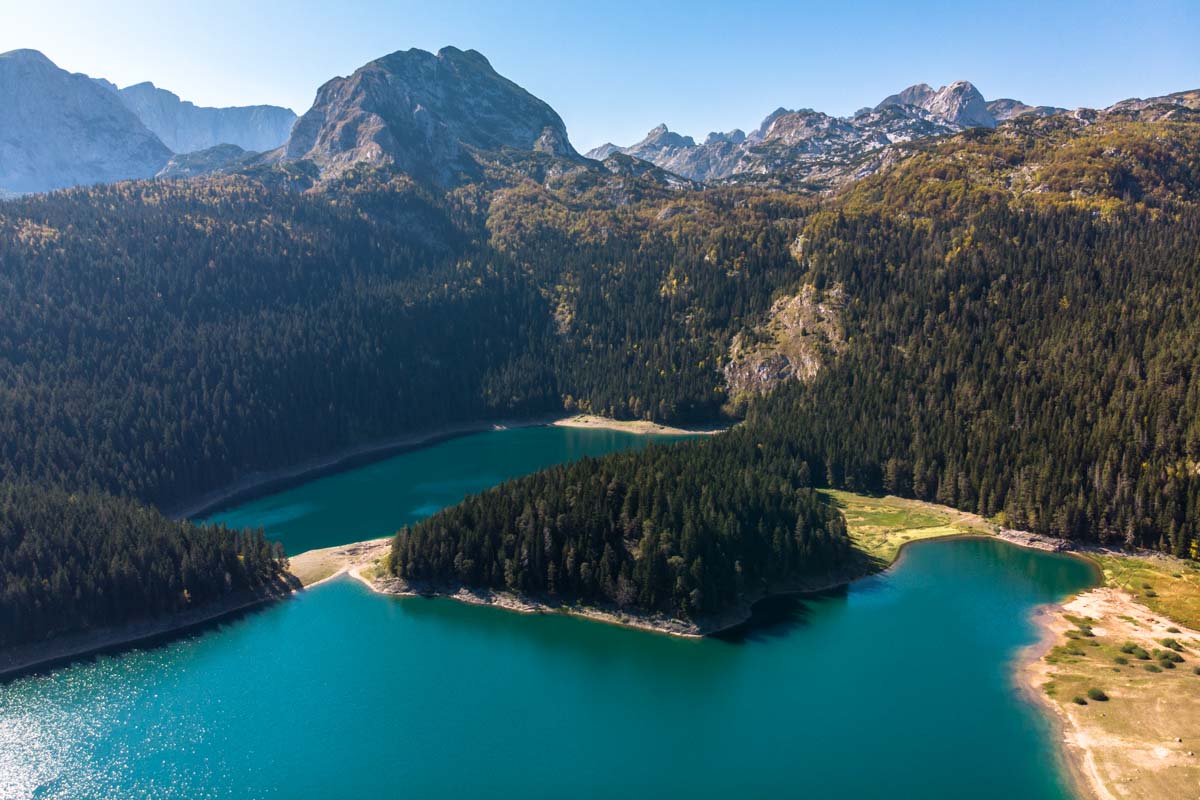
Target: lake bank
<point>1142,739</point>
<point>258,484</point>
<point>640,427</point>
<point>880,527</point>
<point>26,658</point>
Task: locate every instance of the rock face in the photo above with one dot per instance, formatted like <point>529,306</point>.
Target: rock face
<point>425,114</point>
<point>1180,105</point>
<point>58,129</point>
<point>803,146</point>
<point>916,95</point>
<point>801,334</point>
<point>815,150</point>
<point>1007,108</point>
<point>960,103</point>
<point>187,128</point>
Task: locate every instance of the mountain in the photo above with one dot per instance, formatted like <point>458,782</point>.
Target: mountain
<point>809,149</point>
<point>166,339</point>
<point>425,114</point>
<point>915,95</point>
<point>798,147</point>
<point>960,103</point>
<point>185,127</point>
<point>59,129</point>
<point>1179,105</point>
<point>1006,108</point>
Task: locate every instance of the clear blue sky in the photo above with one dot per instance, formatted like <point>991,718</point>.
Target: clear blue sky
<point>613,69</point>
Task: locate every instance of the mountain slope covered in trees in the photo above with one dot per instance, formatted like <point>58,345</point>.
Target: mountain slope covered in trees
<point>1016,305</point>
<point>1019,348</point>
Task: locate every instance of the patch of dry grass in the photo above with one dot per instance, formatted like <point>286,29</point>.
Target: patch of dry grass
<point>880,526</point>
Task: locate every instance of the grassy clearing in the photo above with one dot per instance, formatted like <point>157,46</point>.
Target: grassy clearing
<point>1166,586</point>
<point>315,565</point>
<point>880,526</point>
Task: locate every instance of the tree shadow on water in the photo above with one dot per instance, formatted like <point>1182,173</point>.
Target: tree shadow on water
<point>777,617</point>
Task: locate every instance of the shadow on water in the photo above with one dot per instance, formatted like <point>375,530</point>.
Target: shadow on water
<point>776,617</point>
<point>149,643</point>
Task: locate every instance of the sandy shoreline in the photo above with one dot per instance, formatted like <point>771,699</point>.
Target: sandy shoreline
<point>1142,741</point>
<point>361,561</point>
<point>641,427</point>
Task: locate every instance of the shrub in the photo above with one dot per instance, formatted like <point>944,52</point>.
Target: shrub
<point>1152,668</point>
<point>1097,694</point>
<point>1122,660</point>
<point>1079,700</point>
<point>1172,629</point>
<point>1134,650</point>
<point>1171,643</point>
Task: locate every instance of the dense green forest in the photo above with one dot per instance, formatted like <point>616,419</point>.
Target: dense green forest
<point>1028,355</point>
<point>684,529</point>
<point>1018,313</point>
<point>1040,365</point>
<point>72,561</point>
<point>159,340</point>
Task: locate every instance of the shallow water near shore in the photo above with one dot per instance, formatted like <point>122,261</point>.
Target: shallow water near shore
<point>899,685</point>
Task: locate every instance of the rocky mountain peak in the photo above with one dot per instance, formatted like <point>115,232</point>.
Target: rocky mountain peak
<point>424,114</point>
<point>735,136</point>
<point>61,129</point>
<point>28,57</point>
<point>661,136</point>
<point>962,104</point>
<point>916,95</point>
<point>603,151</point>
<point>761,130</point>
<point>959,103</point>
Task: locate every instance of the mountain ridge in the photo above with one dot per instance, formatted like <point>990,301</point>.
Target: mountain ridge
<point>809,150</point>
<point>185,127</point>
<point>63,129</point>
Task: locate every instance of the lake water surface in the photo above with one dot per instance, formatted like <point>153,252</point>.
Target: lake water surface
<point>377,499</point>
<point>899,686</point>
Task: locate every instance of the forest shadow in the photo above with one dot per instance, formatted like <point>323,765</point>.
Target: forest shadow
<point>148,643</point>
<point>777,617</point>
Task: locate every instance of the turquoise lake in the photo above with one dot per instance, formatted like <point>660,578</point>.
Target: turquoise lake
<point>898,686</point>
